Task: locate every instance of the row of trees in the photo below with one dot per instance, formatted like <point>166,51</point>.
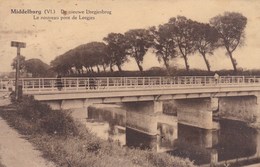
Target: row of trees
<point>179,37</point>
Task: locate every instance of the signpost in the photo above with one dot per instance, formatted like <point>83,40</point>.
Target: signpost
<point>18,45</point>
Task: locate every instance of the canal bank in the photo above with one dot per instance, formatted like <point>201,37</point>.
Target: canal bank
<point>67,143</point>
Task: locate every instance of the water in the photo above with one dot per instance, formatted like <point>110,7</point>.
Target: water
<point>232,144</point>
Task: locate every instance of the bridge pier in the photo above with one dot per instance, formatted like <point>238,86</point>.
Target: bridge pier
<point>258,145</point>
<point>196,112</point>
<point>258,108</point>
<point>202,141</point>
<point>244,108</point>
<point>141,123</point>
<point>78,108</point>
<point>204,138</point>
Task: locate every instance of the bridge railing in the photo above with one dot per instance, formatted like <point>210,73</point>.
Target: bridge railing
<point>108,83</point>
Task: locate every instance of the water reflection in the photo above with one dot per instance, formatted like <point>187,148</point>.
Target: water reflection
<point>195,143</point>
<point>167,136</point>
<point>233,142</point>
<point>108,124</point>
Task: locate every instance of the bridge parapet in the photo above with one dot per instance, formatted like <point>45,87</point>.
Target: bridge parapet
<point>123,83</point>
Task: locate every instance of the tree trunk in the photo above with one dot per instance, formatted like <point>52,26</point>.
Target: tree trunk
<point>139,66</point>
<point>70,71</point>
<point>166,65</point>
<point>111,68</point>
<point>233,61</point>
<point>206,61</point>
<point>98,69</point>
<point>137,61</point>
<point>185,59</point>
<point>91,69</point>
<point>119,67</point>
<point>186,62</point>
<point>104,67</point>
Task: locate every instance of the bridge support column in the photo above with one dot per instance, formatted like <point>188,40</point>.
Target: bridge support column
<point>88,103</point>
<point>244,108</point>
<point>77,107</point>
<point>141,123</point>
<point>258,108</point>
<point>195,112</point>
<point>213,157</point>
<point>258,145</point>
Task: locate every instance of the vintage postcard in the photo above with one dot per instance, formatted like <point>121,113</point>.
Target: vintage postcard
<point>176,78</point>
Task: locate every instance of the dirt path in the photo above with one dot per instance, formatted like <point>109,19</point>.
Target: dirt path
<point>18,152</point>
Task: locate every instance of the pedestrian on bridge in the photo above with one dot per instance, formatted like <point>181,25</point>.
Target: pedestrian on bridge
<point>92,83</point>
<point>216,77</point>
<point>59,83</point>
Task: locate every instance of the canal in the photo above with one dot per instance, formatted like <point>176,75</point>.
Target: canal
<point>233,143</point>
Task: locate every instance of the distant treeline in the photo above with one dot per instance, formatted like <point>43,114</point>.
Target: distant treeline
<point>180,37</point>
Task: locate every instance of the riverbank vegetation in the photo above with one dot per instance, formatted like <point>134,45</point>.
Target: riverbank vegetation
<point>69,144</point>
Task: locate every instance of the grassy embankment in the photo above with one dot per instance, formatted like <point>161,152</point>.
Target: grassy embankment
<point>69,144</point>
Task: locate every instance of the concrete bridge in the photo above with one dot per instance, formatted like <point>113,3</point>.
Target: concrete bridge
<point>143,97</point>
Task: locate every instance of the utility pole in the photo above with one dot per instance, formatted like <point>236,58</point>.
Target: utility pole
<point>18,45</point>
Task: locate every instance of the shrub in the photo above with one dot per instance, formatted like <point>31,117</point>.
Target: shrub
<point>44,119</point>
<point>58,123</point>
<point>32,110</point>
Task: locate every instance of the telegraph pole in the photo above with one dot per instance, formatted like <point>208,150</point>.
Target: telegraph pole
<point>18,45</point>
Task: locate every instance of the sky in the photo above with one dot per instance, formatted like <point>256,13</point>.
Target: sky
<point>47,38</point>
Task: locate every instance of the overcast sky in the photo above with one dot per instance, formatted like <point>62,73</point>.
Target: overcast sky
<point>47,39</point>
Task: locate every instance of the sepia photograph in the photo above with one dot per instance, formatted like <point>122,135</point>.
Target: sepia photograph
<point>129,83</point>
